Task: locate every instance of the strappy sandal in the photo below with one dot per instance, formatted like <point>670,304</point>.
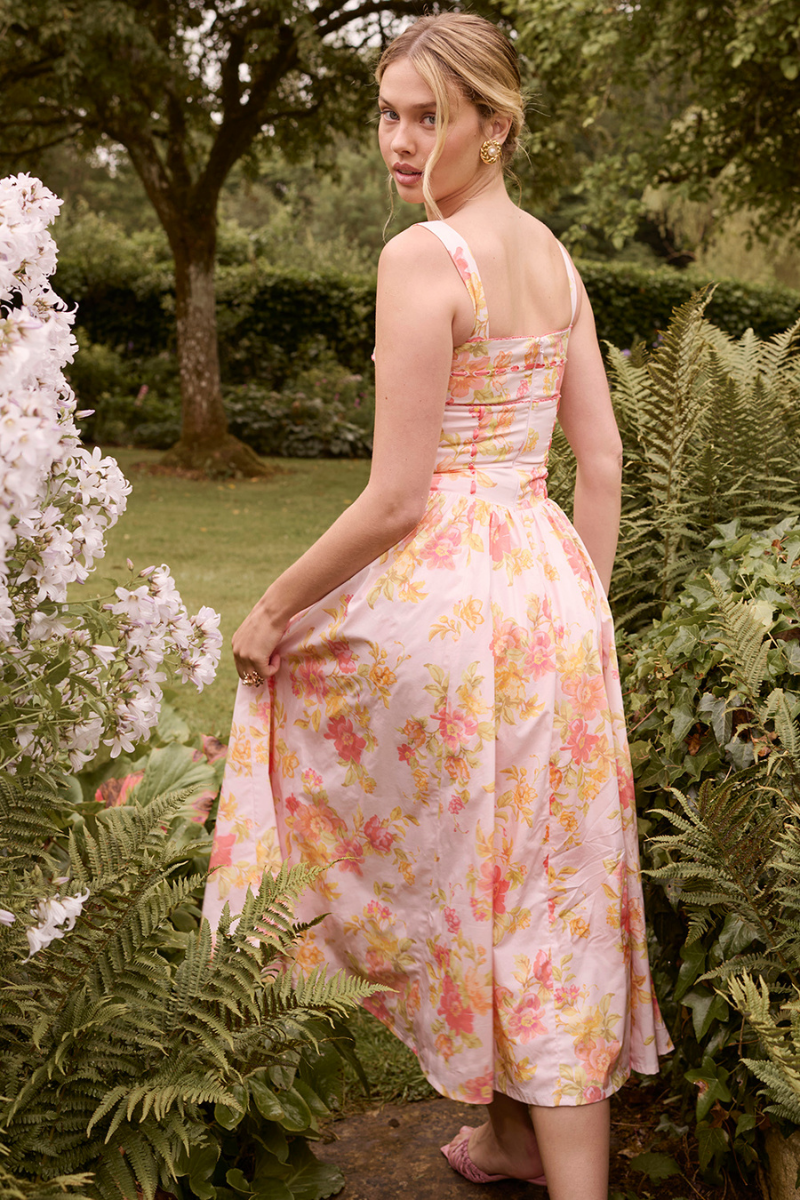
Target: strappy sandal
<point>459,1159</point>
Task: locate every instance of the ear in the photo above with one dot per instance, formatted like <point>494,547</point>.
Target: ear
<point>498,127</point>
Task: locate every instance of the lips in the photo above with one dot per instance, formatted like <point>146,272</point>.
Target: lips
<point>406,174</point>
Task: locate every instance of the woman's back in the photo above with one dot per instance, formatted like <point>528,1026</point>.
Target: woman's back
<point>521,266</point>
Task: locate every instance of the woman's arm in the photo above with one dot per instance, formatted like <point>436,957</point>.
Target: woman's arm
<point>416,302</point>
<point>587,418</point>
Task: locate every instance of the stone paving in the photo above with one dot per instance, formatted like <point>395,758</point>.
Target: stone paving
<point>394,1151</point>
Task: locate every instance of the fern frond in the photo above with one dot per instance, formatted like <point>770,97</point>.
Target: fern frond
<point>745,639</point>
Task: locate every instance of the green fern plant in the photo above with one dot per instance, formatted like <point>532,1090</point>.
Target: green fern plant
<point>133,1059</point>
<point>709,426</point>
<point>713,694</point>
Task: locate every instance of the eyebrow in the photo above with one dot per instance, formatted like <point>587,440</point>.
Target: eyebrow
<point>414,107</point>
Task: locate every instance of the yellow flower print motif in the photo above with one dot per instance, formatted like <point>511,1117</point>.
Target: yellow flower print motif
<point>240,754</point>
<point>445,736</point>
<point>308,955</point>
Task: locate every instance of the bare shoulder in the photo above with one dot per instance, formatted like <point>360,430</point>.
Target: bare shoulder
<point>413,249</point>
<point>543,236</point>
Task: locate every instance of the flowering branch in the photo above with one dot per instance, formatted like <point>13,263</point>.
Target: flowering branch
<point>72,676</point>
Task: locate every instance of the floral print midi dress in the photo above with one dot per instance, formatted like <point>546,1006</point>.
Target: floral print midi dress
<point>448,725</point>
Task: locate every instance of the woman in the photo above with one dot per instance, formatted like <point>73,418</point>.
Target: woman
<point>443,713</point>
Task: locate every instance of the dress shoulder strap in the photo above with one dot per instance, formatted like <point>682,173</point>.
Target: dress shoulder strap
<point>573,283</point>
<point>467,268</point>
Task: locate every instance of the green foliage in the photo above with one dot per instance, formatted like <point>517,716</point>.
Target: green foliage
<point>691,709</point>
<point>277,326</point>
<point>709,427</point>
<point>305,420</point>
<point>131,1051</point>
<point>714,696</point>
<point>267,315</point>
<point>665,92</point>
<point>779,1038</point>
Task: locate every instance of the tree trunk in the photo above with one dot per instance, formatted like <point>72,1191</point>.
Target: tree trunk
<point>205,443</point>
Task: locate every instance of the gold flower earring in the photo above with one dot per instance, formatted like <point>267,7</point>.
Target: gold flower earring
<point>491,151</point>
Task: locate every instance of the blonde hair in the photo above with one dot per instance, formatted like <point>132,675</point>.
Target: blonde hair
<point>472,55</point>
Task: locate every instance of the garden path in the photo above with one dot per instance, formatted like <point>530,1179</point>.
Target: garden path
<point>393,1152</point>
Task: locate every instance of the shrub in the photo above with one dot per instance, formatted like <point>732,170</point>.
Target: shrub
<point>272,319</point>
<point>129,1050</point>
<point>709,427</point>
<point>308,420</point>
<point>73,675</point>
<point>713,692</point>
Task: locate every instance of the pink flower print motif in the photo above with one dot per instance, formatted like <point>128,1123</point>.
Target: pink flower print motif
<point>221,855</point>
<point>457,1016</point>
<point>351,850</point>
<point>439,550</point>
<point>455,729</point>
<point>442,956</point>
<point>444,1046</point>
<point>415,732</point>
<point>625,913</point>
<point>592,1094</point>
<point>491,881</point>
<point>625,784</point>
<point>312,781</point>
<point>543,970</point>
<point>507,636</point>
<point>376,962</point>
<point>378,836</point>
<point>599,1057</point>
<point>468,375</point>
<point>316,822</point>
<point>539,657</point>
<point>291,803</point>
<point>479,1090</point>
<point>405,752</point>
<point>347,742</point>
<point>532,354</point>
<point>344,657</point>
<point>453,920</point>
<point>499,540</point>
<point>525,1022</point>
<point>377,1006</point>
<point>587,691</point>
<point>456,804</point>
<point>567,997</point>
<point>308,681</point>
<point>576,560</point>
<point>580,742</point>
<point>378,911</point>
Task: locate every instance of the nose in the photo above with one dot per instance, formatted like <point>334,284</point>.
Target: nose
<point>402,138</point>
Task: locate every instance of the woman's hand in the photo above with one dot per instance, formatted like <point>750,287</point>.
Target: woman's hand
<point>254,645</point>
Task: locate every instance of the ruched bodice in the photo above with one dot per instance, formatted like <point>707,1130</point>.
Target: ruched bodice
<point>502,399</point>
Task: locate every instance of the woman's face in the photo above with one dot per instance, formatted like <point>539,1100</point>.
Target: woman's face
<point>407,135</point>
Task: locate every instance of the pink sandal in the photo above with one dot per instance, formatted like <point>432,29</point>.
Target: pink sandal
<point>459,1159</point>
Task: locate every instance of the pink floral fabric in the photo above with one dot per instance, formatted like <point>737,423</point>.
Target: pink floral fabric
<point>446,731</point>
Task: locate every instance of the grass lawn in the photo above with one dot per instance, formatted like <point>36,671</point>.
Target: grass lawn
<point>224,543</point>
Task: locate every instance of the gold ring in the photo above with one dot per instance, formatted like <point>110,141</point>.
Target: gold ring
<point>252,679</point>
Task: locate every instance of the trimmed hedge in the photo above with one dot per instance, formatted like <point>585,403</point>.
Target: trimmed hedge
<point>267,318</point>
<point>631,303</point>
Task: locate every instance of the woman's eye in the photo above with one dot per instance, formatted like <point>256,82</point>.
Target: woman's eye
<point>430,117</point>
<point>388,114</point>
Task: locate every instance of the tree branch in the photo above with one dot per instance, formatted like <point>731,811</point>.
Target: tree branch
<point>400,8</point>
